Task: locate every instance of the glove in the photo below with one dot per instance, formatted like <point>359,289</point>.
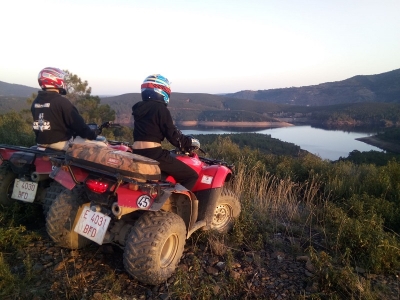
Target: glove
<point>195,143</point>
<point>97,132</point>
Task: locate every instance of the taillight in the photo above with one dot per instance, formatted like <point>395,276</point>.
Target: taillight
<point>97,186</point>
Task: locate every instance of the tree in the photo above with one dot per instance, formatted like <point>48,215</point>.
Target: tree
<point>15,130</point>
<point>92,111</point>
<point>79,93</point>
<point>76,88</point>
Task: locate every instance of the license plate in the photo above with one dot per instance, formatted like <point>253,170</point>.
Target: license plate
<point>24,190</point>
<point>92,225</point>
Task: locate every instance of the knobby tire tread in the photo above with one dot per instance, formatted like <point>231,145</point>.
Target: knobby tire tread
<point>228,197</point>
<point>141,255</point>
<point>60,219</point>
<point>7,177</point>
<point>52,193</point>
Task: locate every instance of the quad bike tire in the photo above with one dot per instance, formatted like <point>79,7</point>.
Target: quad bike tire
<point>60,219</point>
<point>154,247</point>
<point>52,193</point>
<point>226,211</point>
<point>7,178</point>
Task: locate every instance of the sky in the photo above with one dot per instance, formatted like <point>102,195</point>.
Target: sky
<point>204,46</point>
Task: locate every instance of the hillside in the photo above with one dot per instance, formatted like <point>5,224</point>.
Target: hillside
<point>384,87</point>
<point>200,107</point>
<point>16,90</point>
<point>357,101</point>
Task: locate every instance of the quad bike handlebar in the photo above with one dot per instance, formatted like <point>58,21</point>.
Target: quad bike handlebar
<point>108,124</point>
<point>98,129</point>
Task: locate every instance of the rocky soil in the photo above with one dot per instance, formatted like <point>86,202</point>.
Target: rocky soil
<point>97,272</point>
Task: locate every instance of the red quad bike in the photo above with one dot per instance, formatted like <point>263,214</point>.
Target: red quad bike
<point>24,171</point>
<point>118,197</point>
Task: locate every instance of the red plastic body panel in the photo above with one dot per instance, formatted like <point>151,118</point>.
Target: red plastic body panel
<point>6,153</point>
<point>209,176</point>
<point>134,199</point>
<point>65,178</point>
<point>43,166</point>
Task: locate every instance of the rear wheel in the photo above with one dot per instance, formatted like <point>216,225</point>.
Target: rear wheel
<point>60,220</point>
<point>154,247</point>
<point>7,177</point>
<point>226,211</point>
<point>52,193</point>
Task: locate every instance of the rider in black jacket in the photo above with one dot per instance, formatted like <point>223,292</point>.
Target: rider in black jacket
<point>153,123</point>
<point>56,121</point>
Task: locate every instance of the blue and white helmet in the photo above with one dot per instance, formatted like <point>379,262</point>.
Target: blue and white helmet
<point>156,87</point>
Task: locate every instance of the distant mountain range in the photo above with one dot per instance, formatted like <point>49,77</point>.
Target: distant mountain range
<point>384,87</point>
<point>358,93</point>
<point>16,90</point>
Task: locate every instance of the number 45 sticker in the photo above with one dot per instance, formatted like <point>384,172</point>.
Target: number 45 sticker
<point>143,201</point>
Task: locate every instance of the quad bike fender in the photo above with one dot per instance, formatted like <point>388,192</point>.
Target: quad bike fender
<point>176,199</point>
<point>179,200</point>
<point>22,162</point>
<point>133,199</point>
<point>5,154</point>
<point>43,165</point>
<point>207,203</point>
<point>69,176</point>
<point>212,177</point>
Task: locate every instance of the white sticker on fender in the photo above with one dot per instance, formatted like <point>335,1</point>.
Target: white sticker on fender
<point>143,201</point>
<point>206,179</point>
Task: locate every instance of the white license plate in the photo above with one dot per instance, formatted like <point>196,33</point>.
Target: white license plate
<point>24,190</point>
<point>92,225</point>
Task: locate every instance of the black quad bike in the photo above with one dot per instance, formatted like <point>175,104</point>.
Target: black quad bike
<point>122,198</point>
<point>24,171</point>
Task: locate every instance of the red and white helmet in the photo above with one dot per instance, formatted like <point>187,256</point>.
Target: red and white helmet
<point>52,78</point>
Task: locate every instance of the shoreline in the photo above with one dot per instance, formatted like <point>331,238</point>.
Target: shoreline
<point>233,124</point>
<point>384,145</point>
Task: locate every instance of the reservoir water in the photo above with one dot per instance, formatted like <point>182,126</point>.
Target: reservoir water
<point>327,144</point>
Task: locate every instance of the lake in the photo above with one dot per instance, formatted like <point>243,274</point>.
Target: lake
<point>327,144</point>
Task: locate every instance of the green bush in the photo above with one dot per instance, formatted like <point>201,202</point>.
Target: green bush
<point>15,130</point>
<point>359,234</point>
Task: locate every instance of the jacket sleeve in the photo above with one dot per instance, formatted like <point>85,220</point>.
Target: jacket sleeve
<point>76,123</point>
<point>171,132</point>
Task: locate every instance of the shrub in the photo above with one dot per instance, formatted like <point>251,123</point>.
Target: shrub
<point>362,238</point>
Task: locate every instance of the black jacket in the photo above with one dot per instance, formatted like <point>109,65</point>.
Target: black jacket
<point>153,123</point>
<point>56,119</point>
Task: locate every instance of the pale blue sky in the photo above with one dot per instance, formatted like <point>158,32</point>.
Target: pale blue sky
<point>200,46</point>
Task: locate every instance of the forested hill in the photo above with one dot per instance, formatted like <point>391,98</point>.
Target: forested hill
<point>200,107</point>
<point>384,87</point>
<point>16,90</point>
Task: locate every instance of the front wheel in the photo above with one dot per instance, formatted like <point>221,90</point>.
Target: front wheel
<point>60,220</point>
<point>154,246</point>
<point>7,177</point>
<point>226,211</point>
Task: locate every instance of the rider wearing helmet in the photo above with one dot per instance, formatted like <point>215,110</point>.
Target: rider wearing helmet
<point>153,123</point>
<point>56,121</point>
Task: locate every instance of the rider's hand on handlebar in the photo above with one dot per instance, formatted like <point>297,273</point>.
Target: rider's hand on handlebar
<point>106,124</point>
